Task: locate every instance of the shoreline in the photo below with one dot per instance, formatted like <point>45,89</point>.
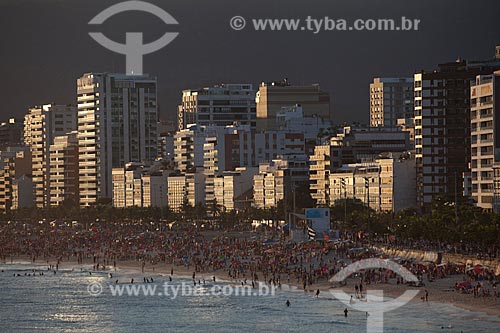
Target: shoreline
<point>439,290</point>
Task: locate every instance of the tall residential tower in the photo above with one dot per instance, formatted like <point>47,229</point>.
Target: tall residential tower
<point>117,119</point>
<point>41,125</point>
<point>442,128</point>
<point>485,131</point>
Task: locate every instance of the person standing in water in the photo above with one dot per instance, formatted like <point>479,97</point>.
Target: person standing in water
<point>346,312</point>
<point>288,303</point>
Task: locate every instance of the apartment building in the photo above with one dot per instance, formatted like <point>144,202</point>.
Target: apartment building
<point>41,125</point>
<point>385,184</point>
<point>63,171</point>
<point>485,104</point>
<point>391,98</point>
<point>220,105</point>
<point>117,124</point>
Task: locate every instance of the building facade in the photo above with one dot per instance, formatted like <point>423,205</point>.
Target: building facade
<point>319,175</point>
<point>177,192</point>
<point>63,175</point>
<point>386,184</point>
<point>273,96</point>
<point>140,185</point>
<point>186,189</point>
<point>442,129</point>
<point>270,184</point>
<point>220,105</point>
<point>11,133</point>
<point>233,189</point>
<point>16,186</point>
<point>357,144</point>
<point>155,189</point>
<point>117,124</point>
<point>485,137</point>
<point>390,99</point>
<point>41,125</point>
<point>188,149</point>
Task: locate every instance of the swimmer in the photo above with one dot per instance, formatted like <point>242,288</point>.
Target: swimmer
<point>288,303</point>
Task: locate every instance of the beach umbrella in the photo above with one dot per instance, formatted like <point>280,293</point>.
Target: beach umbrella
<point>479,269</point>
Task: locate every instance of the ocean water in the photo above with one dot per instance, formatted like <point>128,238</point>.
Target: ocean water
<point>62,303</point>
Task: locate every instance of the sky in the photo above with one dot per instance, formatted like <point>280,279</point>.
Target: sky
<point>45,47</point>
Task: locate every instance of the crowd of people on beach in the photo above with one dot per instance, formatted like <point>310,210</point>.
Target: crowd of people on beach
<point>460,248</point>
<point>248,258</point>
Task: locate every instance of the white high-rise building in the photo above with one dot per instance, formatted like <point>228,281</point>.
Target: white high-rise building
<point>484,99</point>
<point>117,121</point>
<point>41,125</point>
